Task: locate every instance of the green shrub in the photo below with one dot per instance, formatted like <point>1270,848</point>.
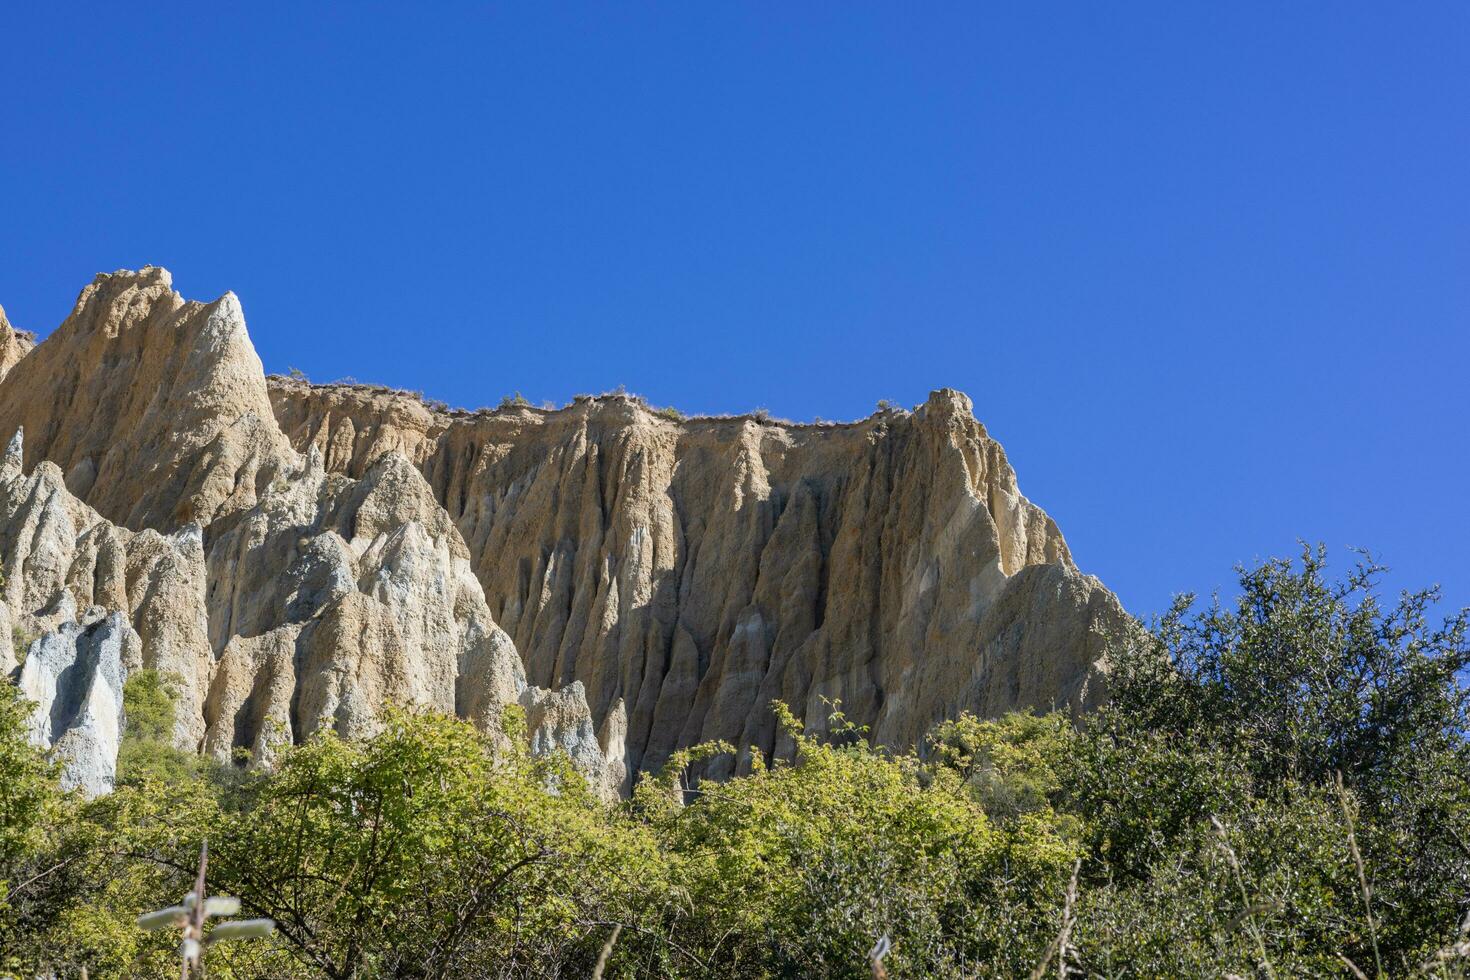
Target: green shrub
<point>1248,713</point>
<point>514,401</point>
<point>20,641</point>
<point>1199,811</point>
<point>799,868</point>
<point>147,751</point>
<point>424,852</point>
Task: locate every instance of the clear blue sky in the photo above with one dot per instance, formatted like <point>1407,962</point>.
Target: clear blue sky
<point>1203,267</point>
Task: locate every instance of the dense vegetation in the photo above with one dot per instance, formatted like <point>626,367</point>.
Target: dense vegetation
<point>1277,787</point>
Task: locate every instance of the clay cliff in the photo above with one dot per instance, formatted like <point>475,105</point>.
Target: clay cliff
<point>697,569</point>
<point>302,555</point>
<point>148,492</point>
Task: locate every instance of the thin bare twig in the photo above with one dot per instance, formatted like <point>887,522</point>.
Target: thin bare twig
<point>1458,950</point>
<point>606,953</point>
<point>1058,946</point>
<point>37,877</point>
<point>703,964</point>
<point>1245,900</point>
<point>1367,892</point>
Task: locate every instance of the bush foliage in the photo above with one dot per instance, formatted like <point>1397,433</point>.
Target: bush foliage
<point>1276,787</point>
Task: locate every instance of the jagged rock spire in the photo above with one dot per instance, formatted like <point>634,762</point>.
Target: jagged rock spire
<point>317,601</point>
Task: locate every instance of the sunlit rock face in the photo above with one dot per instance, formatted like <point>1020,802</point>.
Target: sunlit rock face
<point>300,557</point>
<point>148,493</point>
<point>14,344</point>
<point>694,570</point>
<point>155,408</point>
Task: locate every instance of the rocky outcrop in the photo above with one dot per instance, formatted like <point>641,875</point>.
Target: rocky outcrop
<point>8,637</point>
<point>327,601</point>
<point>155,408</point>
<point>695,570</point>
<point>61,557</point>
<point>334,597</point>
<point>304,555</point>
<point>74,676</point>
<point>560,722</point>
<point>14,344</point>
<point>299,601</point>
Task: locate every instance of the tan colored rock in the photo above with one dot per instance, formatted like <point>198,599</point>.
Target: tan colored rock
<point>8,654</point>
<point>560,722</point>
<point>154,408</point>
<point>352,425</point>
<point>378,579</point>
<point>303,556</point>
<point>149,419</point>
<point>380,607</point>
<point>166,595</point>
<point>365,584</point>
<point>249,704</point>
<point>14,344</point>
<point>695,570</point>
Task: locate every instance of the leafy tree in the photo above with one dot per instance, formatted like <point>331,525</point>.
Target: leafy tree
<point>424,851</point>
<point>28,788</point>
<point>1012,765</point>
<point>1241,712</point>
<point>1268,891</point>
<point>798,868</point>
<point>1314,677</point>
<point>1275,785</point>
<point>30,803</point>
<point>92,867</point>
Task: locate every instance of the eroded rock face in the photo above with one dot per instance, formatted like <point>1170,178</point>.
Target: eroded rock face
<point>334,597</point>
<point>61,557</point>
<point>75,678</point>
<point>696,570</point>
<point>328,600</point>
<point>560,722</point>
<point>284,600</point>
<point>8,662</point>
<point>302,556</point>
<point>155,408</point>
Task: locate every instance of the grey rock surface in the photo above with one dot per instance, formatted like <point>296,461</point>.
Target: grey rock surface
<point>75,675</point>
